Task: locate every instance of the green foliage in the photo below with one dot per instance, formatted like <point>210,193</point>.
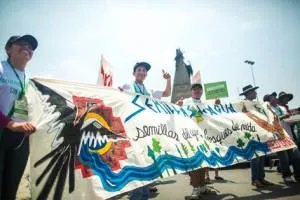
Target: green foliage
<point>185,149</point>
<point>192,147</point>
<point>218,150</point>
<point>151,153</point>
<point>207,146</point>
<point>156,146</point>
<point>240,143</point>
<point>247,135</point>
<point>178,150</point>
<point>203,148</point>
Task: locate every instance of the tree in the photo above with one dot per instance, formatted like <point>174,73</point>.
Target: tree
<point>185,149</point>
<point>218,151</point>
<point>178,150</point>
<point>203,148</point>
<point>156,146</point>
<point>247,136</point>
<point>192,147</point>
<point>206,144</point>
<point>151,153</point>
<point>240,143</point>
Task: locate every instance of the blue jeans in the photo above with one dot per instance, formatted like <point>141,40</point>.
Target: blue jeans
<point>287,157</point>
<point>257,168</point>
<point>141,193</point>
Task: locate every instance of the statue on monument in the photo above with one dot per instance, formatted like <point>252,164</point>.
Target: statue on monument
<point>182,81</point>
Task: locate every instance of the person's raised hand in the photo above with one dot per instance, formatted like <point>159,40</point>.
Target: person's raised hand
<point>180,101</point>
<point>166,75</point>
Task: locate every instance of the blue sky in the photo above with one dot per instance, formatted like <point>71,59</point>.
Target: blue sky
<point>215,36</point>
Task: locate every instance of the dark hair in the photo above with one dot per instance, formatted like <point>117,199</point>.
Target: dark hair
<point>196,85</point>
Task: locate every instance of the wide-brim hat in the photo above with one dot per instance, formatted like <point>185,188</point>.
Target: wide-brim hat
<point>144,64</point>
<point>247,89</point>
<point>283,95</point>
<point>267,96</point>
<point>28,38</point>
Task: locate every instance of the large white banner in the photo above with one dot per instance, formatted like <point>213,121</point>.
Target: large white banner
<point>95,142</point>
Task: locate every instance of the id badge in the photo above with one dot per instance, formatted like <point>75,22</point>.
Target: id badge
<point>21,109</point>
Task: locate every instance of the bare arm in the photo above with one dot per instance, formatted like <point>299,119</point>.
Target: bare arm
<point>180,102</point>
<point>167,91</point>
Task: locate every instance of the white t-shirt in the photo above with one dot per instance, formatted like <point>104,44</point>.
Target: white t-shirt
<point>284,124</point>
<point>10,87</point>
<point>191,101</point>
<point>141,89</point>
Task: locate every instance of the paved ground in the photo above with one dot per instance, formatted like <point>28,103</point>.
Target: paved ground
<point>236,186</point>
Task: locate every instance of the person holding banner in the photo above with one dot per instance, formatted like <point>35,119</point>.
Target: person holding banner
<point>197,177</point>
<point>257,164</point>
<point>291,155</point>
<point>14,143</point>
<point>140,71</point>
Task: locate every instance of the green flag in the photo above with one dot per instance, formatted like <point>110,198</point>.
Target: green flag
<point>215,90</point>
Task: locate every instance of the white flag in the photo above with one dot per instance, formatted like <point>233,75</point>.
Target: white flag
<point>196,79</point>
<point>105,75</point>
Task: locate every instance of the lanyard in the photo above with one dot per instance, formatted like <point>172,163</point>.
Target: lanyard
<point>21,84</point>
<point>138,89</point>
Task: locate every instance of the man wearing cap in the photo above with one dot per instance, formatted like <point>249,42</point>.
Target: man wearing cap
<point>14,142</point>
<point>197,177</point>
<point>257,164</point>
<point>140,71</point>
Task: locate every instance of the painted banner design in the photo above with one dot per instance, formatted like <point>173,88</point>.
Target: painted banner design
<point>95,142</point>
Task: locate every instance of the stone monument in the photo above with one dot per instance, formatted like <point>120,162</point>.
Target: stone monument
<point>182,81</point>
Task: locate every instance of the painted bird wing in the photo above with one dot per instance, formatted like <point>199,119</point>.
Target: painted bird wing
<point>61,160</point>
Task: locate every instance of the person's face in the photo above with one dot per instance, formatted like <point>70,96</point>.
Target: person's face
<point>285,100</point>
<point>251,95</point>
<point>20,50</point>
<point>273,100</point>
<point>197,92</point>
<point>140,74</point>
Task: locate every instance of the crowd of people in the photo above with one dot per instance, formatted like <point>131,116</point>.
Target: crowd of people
<point>15,128</point>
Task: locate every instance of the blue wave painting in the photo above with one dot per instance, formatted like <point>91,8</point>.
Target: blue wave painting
<point>113,182</point>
